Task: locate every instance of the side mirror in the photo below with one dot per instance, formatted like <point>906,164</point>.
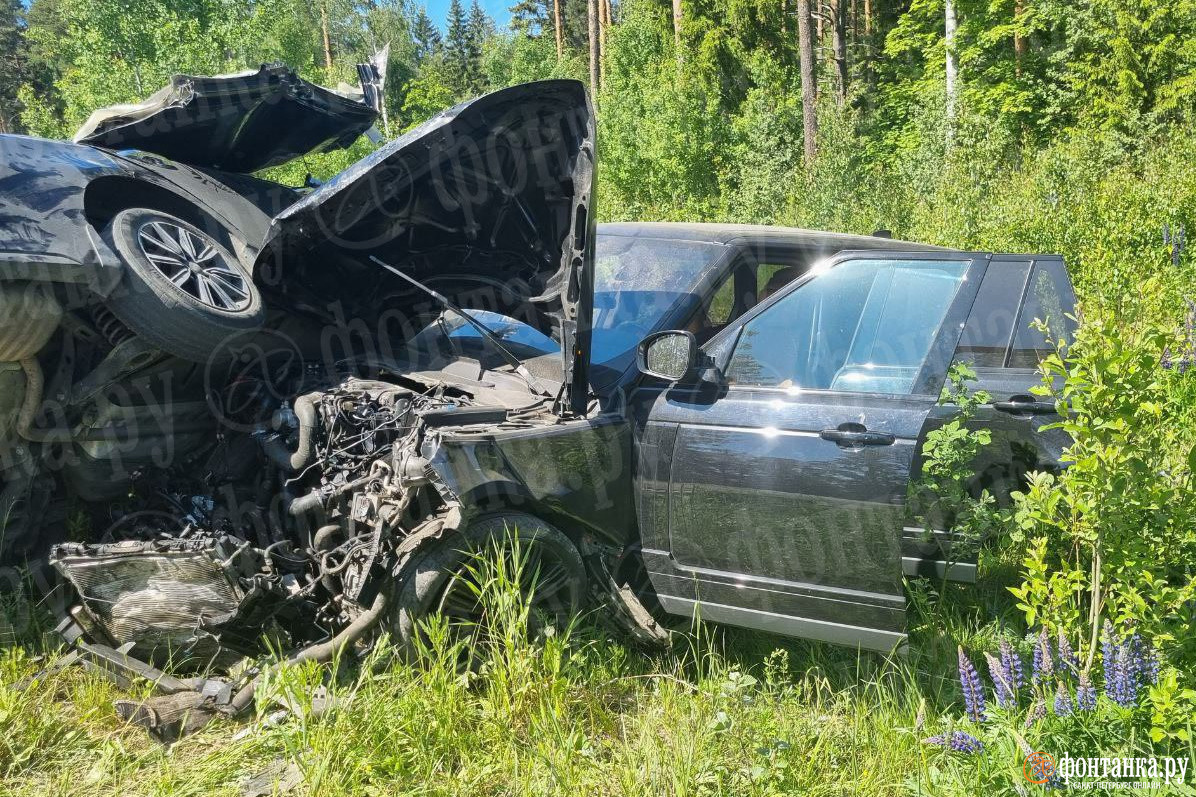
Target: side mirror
<point>671,355</point>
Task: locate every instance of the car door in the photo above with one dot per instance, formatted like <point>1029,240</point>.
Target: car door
<point>776,498</point>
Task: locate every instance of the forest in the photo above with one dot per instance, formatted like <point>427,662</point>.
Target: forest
<point>1061,126</point>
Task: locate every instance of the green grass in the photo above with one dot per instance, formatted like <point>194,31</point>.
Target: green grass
<point>722,712</point>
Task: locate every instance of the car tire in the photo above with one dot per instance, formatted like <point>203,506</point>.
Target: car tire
<point>211,298</point>
<point>424,583</point>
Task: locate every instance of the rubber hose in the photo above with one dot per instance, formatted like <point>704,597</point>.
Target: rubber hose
<point>34,385</point>
<point>321,653</point>
<point>322,543</point>
<point>301,457</point>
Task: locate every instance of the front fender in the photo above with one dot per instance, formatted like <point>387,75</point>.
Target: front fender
<point>44,232</point>
<point>573,473</point>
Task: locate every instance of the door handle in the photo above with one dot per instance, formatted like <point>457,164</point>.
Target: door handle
<point>1025,405</point>
<point>854,435</point>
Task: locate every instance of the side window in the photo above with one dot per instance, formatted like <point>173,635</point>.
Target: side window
<point>722,303</point>
<point>864,326</point>
<point>989,330</point>
<point>1048,298</point>
<point>771,277</point>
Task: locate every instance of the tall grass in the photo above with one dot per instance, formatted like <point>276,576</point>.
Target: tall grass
<point>572,711</point>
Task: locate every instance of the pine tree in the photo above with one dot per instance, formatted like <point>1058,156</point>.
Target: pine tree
<point>530,18</point>
<point>479,28</point>
<point>13,57</point>
<point>426,35</point>
<point>457,51</point>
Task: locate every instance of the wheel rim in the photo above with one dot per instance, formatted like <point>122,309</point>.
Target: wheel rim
<point>194,265</point>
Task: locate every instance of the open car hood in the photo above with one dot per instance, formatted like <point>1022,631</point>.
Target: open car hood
<point>239,123</point>
<point>489,203</point>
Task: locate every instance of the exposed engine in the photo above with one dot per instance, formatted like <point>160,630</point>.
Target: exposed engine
<point>292,537</point>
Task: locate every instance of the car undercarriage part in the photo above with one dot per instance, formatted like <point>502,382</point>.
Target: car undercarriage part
<point>29,316</point>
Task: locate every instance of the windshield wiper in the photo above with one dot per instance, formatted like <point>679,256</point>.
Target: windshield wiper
<point>481,328</point>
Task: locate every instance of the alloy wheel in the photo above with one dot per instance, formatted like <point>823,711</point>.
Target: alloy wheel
<point>193,264</point>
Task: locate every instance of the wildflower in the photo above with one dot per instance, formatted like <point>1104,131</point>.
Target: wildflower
<point>1044,667</point>
<point>1062,701</point>
<point>1068,661</point>
<point>958,741</point>
<point>1037,711</point>
<point>1135,655</point>
<point>1124,674</point>
<point>973,692</point>
<point>1011,664</point>
<point>1108,646</point>
<point>1085,693</point>
<point>1150,666</point>
<point>1002,688</point>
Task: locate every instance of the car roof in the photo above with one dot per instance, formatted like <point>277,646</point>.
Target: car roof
<point>736,233</point>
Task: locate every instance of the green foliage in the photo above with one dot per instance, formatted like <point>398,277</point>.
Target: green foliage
<point>1112,535</point>
<point>942,497</point>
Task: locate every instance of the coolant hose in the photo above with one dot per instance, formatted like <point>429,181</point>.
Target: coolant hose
<point>321,653</point>
<point>35,383</point>
<point>301,457</point>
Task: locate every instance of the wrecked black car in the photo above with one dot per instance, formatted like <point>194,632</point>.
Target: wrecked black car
<point>289,418</point>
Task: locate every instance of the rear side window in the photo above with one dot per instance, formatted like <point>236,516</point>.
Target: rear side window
<point>989,331</point>
<point>1048,298</point>
<point>999,332</point>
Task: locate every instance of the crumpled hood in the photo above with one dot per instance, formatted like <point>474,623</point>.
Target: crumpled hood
<point>489,203</point>
<point>237,123</point>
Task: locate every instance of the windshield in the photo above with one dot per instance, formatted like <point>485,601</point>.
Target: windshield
<point>638,283</point>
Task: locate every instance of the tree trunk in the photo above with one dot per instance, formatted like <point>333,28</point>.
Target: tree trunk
<point>677,27</point>
<point>867,17</point>
<point>327,36</point>
<point>806,48</point>
<point>592,19</point>
<point>559,29</point>
<point>603,29</point>
<point>838,9</point>
<point>1019,43</point>
<point>949,28</point>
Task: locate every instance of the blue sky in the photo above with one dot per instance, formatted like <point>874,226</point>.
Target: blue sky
<point>498,9</point>
<point>438,10</point>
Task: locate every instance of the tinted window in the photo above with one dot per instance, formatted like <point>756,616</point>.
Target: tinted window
<point>985,338</point>
<point>862,326</point>
<point>1048,299</point>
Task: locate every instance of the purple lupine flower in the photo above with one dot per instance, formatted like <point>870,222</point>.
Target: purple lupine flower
<point>1002,689</point>
<point>1068,661</point>
<point>1085,693</point>
<point>1062,701</point>
<point>1037,711</point>
<point>1011,666</point>
<point>1142,658</point>
<point>973,692</point>
<point>1044,667</point>
<point>958,741</point>
<point>1150,666</point>
<point>1121,672</point>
